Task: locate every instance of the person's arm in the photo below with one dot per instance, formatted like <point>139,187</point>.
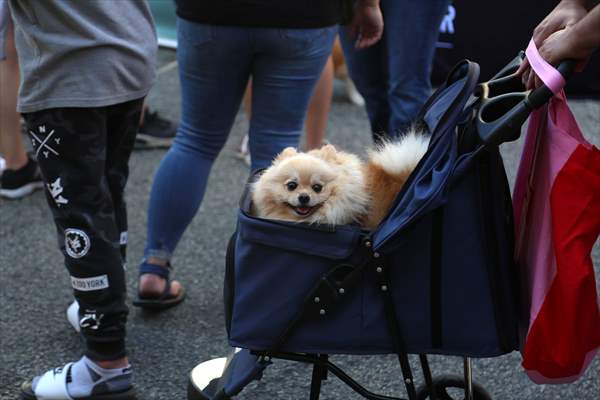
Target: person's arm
<point>367,23</point>
<point>577,42</point>
<point>565,16</point>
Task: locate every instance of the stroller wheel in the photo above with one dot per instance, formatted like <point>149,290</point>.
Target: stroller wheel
<point>451,387</point>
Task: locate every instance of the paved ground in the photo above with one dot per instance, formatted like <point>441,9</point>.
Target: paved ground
<point>34,289</point>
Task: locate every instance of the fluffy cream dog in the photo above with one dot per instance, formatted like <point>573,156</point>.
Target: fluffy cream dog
<point>308,187</point>
<point>327,186</point>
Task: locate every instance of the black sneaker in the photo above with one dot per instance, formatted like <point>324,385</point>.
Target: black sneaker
<point>155,132</point>
<point>21,182</point>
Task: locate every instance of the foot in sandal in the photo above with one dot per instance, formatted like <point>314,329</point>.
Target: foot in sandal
<point>156,291</point>
<point>83,379</point>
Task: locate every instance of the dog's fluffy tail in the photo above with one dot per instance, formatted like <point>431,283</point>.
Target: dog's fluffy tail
<point>401,156</point>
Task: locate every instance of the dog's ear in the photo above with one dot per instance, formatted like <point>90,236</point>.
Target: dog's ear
<point>286,153</point>
<point>327,153</point>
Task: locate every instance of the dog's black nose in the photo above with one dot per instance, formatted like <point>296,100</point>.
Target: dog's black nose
<point>304,198</point>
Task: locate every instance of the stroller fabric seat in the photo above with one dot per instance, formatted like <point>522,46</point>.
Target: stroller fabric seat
<point>443,254</point>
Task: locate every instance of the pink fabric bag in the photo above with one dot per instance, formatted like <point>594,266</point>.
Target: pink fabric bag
<point>557,220</point>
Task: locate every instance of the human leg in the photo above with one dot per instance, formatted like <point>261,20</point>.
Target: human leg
<point>121,134</point>
<point>316,118</point>
<point>368,70</point>
<point>411,33</point>
<point>214,66</point>
<point>21,175</point>
<point>318,108</point>
<point>155,131</point>
<point>285,71</point>
<point>242,151</point>
<point>71,146</point>
<point>11,145</point>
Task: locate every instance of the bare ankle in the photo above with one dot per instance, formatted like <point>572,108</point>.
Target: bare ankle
<point>112,364</point>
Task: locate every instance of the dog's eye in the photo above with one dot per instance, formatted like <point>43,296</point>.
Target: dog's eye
<point>317,188</point>
<point>291,186</point>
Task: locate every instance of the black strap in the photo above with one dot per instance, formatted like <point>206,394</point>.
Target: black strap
<point>436,277</point>
<point>490,203</point>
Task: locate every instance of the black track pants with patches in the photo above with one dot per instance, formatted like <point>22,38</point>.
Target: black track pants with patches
<point>83,155</point>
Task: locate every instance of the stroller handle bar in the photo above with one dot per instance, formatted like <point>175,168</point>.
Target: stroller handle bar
<point>506,104</point>
<point>543,94</point>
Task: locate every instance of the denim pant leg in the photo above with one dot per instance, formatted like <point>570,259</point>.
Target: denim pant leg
<point>286,69</point>
<point>412,30</point>
<point>393,75</point>
<point>368,70</point>
<point>214,66</point>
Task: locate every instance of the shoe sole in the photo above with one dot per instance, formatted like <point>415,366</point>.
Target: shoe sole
<point>147,141</point>
<point>159,305</point>
<point>13,194</point>
<point>27,394</point>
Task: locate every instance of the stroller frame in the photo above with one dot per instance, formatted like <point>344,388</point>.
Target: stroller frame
<point>503,92</point>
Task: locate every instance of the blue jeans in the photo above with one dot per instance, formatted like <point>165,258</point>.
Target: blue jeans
<point>215,63</point>
<point>394,75</point>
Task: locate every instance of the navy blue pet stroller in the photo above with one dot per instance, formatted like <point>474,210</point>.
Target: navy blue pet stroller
<point>436,277</point>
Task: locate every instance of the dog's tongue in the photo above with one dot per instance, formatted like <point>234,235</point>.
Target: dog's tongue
<point>303,210</point>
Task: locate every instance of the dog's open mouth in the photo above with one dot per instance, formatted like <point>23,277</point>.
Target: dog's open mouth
<point>303,211</point>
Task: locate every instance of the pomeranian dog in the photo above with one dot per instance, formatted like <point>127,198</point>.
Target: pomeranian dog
<point>327,186</point>
<point>322,186</point>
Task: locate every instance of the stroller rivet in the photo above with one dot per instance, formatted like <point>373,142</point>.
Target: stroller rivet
<point>317,299</point>
<point>379,269</point>
<point>322,311</point>
<point>342,291</point>
<point>376,255</point>
<point>267,358</point>
<point>367,244</point>
<point>407,380</point>
<point>384,288</point>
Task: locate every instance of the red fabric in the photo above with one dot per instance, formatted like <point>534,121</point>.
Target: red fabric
<point>567,327</point>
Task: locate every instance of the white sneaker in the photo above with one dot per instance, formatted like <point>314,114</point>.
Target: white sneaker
<point>73,315</point>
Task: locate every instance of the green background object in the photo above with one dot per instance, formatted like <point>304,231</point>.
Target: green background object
<point>163,12</point>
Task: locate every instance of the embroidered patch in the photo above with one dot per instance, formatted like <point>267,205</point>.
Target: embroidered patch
<point>90,284</point>
<point>123,239</point>
<point>44,145</point>
<point>91,320</point>
<point>55,189</point>
<point>77,242</point>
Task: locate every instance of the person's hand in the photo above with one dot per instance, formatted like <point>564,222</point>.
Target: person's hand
<point>367,23</point>
<point>566,14</point>
<point>561,45</point>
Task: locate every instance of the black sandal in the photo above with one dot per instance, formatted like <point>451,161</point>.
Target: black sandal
<point>166,299</point>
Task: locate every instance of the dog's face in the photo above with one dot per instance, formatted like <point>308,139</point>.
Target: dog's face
<point>322,186</point>
<point>295,187</point>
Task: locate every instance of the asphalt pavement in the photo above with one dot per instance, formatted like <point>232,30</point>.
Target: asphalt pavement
<point>163,348</point>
